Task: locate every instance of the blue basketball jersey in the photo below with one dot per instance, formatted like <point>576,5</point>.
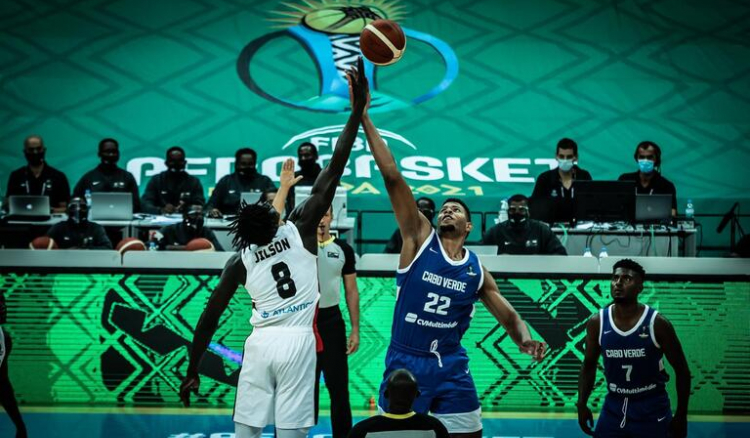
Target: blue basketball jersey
<point>435,300</point>
<point>633,363</point>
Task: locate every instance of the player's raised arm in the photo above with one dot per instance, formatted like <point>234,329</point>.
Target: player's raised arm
<point>414,227</point>
<point>233,275</point>
<point>307,216</point>
<point>287,180</point>
<point>587,375</point>
<point>670,345</point>
<point>507,316</point>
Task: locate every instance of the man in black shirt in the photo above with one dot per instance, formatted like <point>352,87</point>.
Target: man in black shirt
<point>38,178</point>
<point>77,232</point>
<point>427,207</point>
<point>401,390</point>
<point>107,176</point>
<point>175,237</point>
<point>521,235</point>
<point>307,158</point>
<point>171,190</point>
<point>225,199</point>
<point>648,179</point>
<point>555,188</point>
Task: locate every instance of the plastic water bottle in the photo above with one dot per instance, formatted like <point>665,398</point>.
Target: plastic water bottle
<point>587,252</point>
<point>689,210</point>
<point>88,198</point>
<point>503,216</point>
<point>603,252</point>
<point>151,245</point>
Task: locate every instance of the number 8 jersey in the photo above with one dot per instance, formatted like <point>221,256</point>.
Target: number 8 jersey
<point>282,279</point>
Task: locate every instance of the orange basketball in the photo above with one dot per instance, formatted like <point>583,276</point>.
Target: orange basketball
<point>200,245</point>
<point>382,42</point>
<point>43,242</point>
<point>130,244</point>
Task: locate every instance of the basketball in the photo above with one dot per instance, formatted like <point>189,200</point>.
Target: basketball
<point>382,42</point>
<point>130,244</point>
<point>200,245</point>
<point>43,242</point>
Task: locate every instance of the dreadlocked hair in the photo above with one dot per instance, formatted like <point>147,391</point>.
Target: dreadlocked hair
<point>254,224</point>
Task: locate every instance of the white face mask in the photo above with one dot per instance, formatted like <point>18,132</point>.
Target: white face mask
<point>565,165</point>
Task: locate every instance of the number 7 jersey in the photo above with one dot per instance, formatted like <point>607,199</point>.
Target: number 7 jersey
<point>282,279</point>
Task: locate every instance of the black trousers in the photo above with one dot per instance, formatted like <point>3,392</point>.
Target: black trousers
<point>332,362</point>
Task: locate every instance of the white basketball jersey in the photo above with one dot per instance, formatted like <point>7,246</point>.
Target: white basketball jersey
<point>282,279</point>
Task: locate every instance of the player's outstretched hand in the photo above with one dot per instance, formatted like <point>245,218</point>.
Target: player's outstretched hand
<point>535,349</point>
<point>359,91</point>
<point>287,178</point>
<point>585,420</point>
<point>189,384</point>
<point>678,426</point>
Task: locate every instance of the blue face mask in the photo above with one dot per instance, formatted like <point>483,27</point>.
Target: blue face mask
<point>646,166</point>
<point>565,165</point>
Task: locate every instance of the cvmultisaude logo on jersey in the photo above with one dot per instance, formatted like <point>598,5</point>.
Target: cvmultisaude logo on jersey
<point>328,31</point>
<point>413,318</point>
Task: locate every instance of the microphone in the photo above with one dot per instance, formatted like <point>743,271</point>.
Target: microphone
<point>727,217</point>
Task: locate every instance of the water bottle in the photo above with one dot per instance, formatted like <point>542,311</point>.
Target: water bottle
<point>151,245</point>
<point>503,216</point>
<point>689,210</point>
<point>603,252</point>
<point>88,198</point>
<point>587,252</point>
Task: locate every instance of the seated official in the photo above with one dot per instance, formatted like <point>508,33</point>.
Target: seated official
<point>648,179</point>
<point>427,207</point>
<point>108,176</point>
<point>400,420</point>
<point>77,232</point>
<point>557,186</point>
<point>225,199</point>
<point>307,159</point>
<point>521,235</point>
<point>175,237</point>
<point>173,189</point>
<point>38,178</point>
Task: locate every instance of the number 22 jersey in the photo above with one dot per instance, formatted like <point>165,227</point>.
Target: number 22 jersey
<point>282,279</point>
<point>435,300</point>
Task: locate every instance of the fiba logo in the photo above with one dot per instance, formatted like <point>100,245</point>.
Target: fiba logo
<point>329,33</point>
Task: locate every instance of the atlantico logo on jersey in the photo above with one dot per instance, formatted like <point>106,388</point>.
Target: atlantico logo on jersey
<point>328,32</point>
<point>284,310</point>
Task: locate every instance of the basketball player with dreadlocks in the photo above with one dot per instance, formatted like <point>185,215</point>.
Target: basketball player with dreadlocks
<point>277,265</point>
<point>437,283</point>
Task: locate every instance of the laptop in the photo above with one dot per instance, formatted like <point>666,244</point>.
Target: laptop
<point>251,197</point>
<point>28,208</point>
<point>106,206</point>
<point>653,208</point>
<point>301,193</point>
<point>482,249</point>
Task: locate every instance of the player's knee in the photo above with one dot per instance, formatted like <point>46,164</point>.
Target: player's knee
<point>292,433</point>
<point>245,431</point>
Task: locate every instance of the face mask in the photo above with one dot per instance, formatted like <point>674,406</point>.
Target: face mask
<point>646,166</point>
<point>247,172</point>
<point>110,161</point>
<point>195,222</point>
<point>517,219</point>
<point>565,165</point>
<point>34,159</point>
<point>307,164</point>
<point>176,166</point>
<point>428,213</point>
<point>78,214</point>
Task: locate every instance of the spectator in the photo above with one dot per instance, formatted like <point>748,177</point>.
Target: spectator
<point>555,188</point>
<point>521,235</point>
<point>38,178</point>
<point>175,237</point>
<point>400,420</point>
<point>7,396</point>
<point>307,158</point>
<point>108,176</point>
<point>173,189</point>
<point>77,232</point>
<point>648,179</point>
<point>225,199</point>
<point>427,207</point>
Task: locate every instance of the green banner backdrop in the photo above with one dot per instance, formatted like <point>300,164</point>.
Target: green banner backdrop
<point>483,93</point>
<point>109,339</point>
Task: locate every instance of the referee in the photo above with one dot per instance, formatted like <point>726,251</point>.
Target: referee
<point>336,261</point>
